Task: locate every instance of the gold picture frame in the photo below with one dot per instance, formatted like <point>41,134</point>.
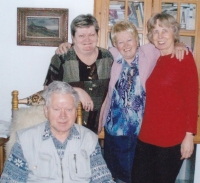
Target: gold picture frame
<point>42,26</point>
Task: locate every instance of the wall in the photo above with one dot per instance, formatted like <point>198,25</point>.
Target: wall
<point>24,68</point>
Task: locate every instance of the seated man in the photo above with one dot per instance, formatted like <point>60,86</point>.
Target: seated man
<point>58,150</point>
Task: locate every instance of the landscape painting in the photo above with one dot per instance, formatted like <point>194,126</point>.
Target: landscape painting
<point>42,26</point>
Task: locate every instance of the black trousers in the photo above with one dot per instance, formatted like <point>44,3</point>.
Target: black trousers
<point>153,164</point>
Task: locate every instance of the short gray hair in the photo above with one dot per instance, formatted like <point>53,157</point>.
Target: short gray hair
<point>165,20</point>
<point>84,21</point>
<point>59,87</point>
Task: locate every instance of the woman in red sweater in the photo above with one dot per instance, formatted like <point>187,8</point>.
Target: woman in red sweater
<point>170,118</point>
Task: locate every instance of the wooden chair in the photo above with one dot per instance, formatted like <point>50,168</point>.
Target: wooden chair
<point>2,153</point>
<point>25,117</point>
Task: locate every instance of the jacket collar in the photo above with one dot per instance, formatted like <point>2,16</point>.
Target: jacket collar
<point>47,132</point>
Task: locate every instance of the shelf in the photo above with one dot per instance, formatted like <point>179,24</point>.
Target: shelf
<point>187,32</point>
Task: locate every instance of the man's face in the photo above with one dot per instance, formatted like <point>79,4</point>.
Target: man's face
<point>61,113</point>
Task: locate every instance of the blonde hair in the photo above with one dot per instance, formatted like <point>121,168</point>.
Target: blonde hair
<point>164,20</point>
<point>123,26</point>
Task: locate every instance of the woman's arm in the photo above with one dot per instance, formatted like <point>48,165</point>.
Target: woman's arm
<point>153,53</point>
<point>101,114</point>
<point>85,99</point>
<point>189,92</point>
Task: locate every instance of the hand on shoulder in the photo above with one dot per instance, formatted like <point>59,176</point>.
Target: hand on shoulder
<point>63,48</point>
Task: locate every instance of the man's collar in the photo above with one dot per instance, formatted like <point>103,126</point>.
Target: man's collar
<point>47,132</point>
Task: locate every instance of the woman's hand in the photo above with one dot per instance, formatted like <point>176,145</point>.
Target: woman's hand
<point>63,48</point>
<point>85,99</point>
<point>187,146</point>
<point>179,50</point>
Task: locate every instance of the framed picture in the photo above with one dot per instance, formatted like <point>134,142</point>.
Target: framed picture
<point>42,26</point>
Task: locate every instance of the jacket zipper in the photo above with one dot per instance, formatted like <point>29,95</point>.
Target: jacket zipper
<point>75,163</point>
<point>61,169</point>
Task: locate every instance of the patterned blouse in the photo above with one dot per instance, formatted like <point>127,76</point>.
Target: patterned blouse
<point>128,102</point>
<point>16,168</point>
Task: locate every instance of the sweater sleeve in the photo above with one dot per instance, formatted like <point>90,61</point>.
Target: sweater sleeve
<point>100,171</point>
<point>15,169</point>
<point>55,70</point>
<point>190,92</point>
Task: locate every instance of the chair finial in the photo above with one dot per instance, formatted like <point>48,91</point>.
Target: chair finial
<point>15,100</point>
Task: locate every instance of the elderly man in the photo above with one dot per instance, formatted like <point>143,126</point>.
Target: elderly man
<point>57,151</point>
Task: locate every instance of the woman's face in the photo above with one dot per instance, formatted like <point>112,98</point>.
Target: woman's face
<point>85,39</point>
<point>163,38</point>
<point>127,45</point>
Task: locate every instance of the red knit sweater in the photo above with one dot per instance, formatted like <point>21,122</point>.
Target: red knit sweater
<point>172,102</point>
